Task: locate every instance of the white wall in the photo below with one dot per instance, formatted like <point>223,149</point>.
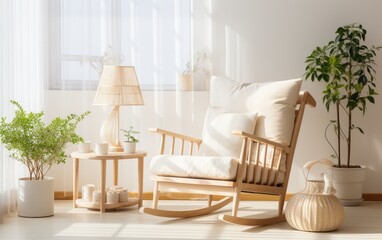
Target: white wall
<point>251,41</point>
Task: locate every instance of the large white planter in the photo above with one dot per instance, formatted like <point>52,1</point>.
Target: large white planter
<point>348,183</point>
<point>36,197</point>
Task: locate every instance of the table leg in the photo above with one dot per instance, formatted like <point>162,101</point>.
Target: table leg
<point>75,180</point>
<point>103,185</point>
<point>140,181</point>
<point>115,171</point>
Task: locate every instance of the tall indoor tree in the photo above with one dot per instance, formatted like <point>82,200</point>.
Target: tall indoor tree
<point>347,66</point>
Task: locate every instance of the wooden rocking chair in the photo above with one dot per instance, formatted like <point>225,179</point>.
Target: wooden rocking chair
<point>257,158</point>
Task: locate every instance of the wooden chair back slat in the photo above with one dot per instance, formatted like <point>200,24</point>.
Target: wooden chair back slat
<point>182,147</point>
<point>270,161</point>
<point>172,145</point>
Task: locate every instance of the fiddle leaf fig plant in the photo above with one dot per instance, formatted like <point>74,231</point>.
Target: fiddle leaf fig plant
<point>36,145</point>
<point>346,65</point>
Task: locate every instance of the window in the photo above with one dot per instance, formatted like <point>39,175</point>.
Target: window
<point>152,35</point>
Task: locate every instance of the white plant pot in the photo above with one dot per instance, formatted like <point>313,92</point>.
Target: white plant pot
<point>348,183</point>
<point>129,147</point>
<point>36,197</point>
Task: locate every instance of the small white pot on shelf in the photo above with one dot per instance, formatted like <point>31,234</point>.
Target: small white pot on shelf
<point>129,147</point>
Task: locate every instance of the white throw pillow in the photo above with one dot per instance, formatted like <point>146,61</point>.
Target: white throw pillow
<point>274,102</point>
<point>218,139</point>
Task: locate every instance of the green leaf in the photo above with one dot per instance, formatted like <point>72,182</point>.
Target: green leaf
<point>360,130</point>
<point>352,51</point>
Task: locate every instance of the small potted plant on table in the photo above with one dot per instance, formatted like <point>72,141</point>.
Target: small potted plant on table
<point>346,65</point>
<point>38,147</point>
<point>130,145</point>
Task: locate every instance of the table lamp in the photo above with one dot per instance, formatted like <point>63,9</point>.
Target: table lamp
<point>118,86</point>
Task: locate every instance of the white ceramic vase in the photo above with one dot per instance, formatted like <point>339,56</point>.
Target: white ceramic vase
<point>348,183</point>
<point>36,197</point>
<point>129,147</point>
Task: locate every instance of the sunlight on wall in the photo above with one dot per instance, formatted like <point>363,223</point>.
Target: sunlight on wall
<point>232,57</point>
<point>201,14</point>
<point>158,103</point>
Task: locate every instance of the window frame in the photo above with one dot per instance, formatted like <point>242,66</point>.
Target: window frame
<point>56,81</point>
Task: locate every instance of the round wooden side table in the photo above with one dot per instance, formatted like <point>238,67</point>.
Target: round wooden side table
<point>115,157</point>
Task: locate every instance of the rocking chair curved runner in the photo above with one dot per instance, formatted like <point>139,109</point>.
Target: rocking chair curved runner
<point>249,138</point>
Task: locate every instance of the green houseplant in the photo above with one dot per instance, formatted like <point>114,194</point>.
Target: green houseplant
<point>346,65</point>
<point>131,141</point>
<point>38,147</point>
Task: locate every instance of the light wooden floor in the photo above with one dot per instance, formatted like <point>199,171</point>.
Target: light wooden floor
<point>363,222</point>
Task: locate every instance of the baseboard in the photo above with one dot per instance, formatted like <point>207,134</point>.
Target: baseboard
<point>189,196</point>
<point>372,196</point>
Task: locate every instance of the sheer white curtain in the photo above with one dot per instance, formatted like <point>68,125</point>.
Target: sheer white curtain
<point>23,69</point>
<point>152,35</point>
<point>61,43</point>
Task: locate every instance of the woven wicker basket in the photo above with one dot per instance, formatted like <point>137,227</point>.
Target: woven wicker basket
<point>315,209</point>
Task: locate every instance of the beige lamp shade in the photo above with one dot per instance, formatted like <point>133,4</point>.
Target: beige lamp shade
<point>118,86</point>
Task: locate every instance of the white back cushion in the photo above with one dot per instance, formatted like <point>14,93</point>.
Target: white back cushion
<point>274,102</point>
<point>218,139</point>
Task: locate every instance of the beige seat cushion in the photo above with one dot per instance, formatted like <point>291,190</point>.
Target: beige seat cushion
<point>219,152</point>
<point>220,168</point>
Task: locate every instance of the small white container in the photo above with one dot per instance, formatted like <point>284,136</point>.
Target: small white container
<point>112,197</point>
<point>84,147</point>
<point>87,192</point>
<point>123,195</point>
<point>101,148</point>
<point>97,196</point>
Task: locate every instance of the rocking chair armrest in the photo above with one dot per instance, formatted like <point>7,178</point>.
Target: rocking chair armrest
<point>306,97</point>
<point>255,138</point>
<point>176,135</point>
